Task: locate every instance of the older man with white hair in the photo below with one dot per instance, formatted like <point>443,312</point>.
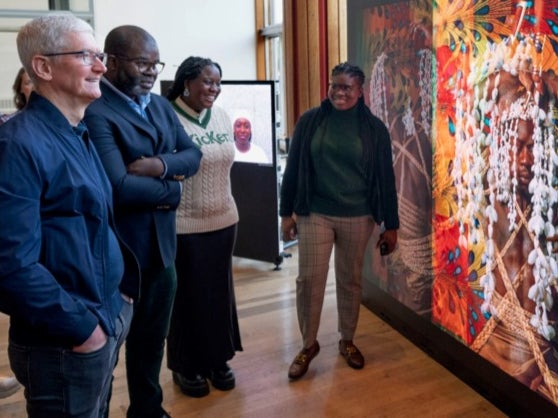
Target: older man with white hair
<point>60,261</point>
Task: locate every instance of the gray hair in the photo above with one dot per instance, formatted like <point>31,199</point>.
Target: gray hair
<point>47,34</point>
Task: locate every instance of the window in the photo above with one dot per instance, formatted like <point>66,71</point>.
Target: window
<point>46,5</point>
<point>272,33</point>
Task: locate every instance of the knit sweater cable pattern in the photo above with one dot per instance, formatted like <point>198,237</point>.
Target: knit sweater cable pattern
<point>207,203</point>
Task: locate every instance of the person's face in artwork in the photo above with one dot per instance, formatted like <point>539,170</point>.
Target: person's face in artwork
<point>524,156</point>
<point>521,164</point>
<point>242,133</point>
<point>344,91</point>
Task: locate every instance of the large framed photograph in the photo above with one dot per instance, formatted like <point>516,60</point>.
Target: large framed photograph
<point>250,105</point>
<point>460,283</point>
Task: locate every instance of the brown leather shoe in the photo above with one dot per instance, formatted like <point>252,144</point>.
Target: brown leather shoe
<point>300,364</point>
<point>351,354</point>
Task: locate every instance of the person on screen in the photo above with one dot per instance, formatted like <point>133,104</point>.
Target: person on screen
<point>246,151</point>
<point>204,332</point>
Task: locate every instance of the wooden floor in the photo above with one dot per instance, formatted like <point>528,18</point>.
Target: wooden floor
<point>399,380</point>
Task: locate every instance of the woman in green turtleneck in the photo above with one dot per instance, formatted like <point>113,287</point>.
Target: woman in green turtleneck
<point>338,183</point>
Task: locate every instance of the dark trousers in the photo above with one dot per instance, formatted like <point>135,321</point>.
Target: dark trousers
<point>146,341</point>
<point>61,383</point>
<point>204,331</point>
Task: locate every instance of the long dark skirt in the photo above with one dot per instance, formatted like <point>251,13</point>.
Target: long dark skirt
<point>204,330</point>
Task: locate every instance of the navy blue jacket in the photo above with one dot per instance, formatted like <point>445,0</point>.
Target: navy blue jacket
<point>144,206</point>
<point>60,265</point>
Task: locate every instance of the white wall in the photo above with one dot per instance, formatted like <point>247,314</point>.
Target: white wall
<point>222,30</point>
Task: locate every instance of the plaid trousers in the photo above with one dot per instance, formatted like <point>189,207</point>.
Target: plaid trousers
<point>318,235</point>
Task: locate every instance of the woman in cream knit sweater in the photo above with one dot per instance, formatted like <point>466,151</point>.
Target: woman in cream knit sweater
<point>204,332</point>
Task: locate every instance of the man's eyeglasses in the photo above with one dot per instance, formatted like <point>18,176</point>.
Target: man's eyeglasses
<point>88,57</point>
<point>143,65</point>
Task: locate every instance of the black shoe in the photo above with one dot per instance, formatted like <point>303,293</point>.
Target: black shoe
<point>195,386</point>
<point>222,377</point>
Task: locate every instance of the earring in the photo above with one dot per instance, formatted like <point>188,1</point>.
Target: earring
<point>186,92</point>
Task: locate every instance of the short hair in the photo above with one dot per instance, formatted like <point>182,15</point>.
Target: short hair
<point>190,69</point>
<point>119,39</point>
<point>19,98</point>
<point>47,34</point>
<point>349,69</point>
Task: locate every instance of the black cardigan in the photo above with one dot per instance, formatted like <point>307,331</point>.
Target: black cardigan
<point>296,185</point>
